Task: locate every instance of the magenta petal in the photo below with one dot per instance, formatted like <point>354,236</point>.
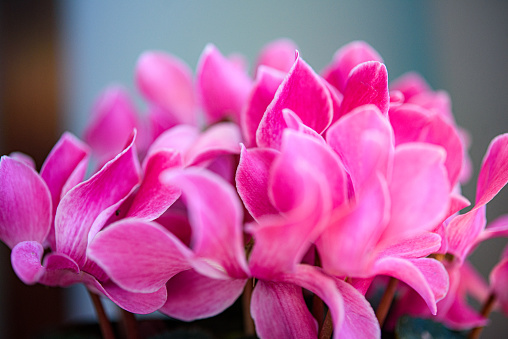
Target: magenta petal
<point>81,206</point>
<point>360,320</point>
<point>463,230</point>
<point>167,82</point>
<point>494,172</point>
<point>179,138</point>
<point>305,162</point>
<point>367,84</point>
<point>303,92</point>
<point>278,54</point>
<point>312,279</point>
<point>139,303</point>
<point>219,139</point>
<point>364,141</point>
<point>410,84</point>
<point>153,198</point>
<point>499,281</point>
<point>215,214</point>
<point>194,296</point>
<point>496,228</point>
<point>24,158</point>
<point>139,266</point>
<point>426,276</point>
<point>279,311</point>
<point>25,203</point>
<point>263,90</point>
<point>26,261</point>
<point>222,86</point>
<point>418,246</point>
<point>347,58</point>
<point>293,121</point>
<point>347,245</point>
<point>114,117</point>
<point>63,169</point>
<point>60,270</point>
<point>252,180</point>
<point>419,190</point>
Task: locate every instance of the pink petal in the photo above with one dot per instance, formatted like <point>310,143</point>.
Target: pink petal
<point>498,282</point>
<point>419,190</point>
<point>223,87</point>
<point>219,139</point>
<point>139,303</point>
<point>263,90</point>
<point>360,320</point>
<point>494,171</point>
<point>139,256</point>
<point>408,121</point>
<point>252,180</point>
<point>24,158</point>
<point>64,168</point>
<point>114,117</point>
<point>364,141</point>
<point>463,230</point>
<point>428,277</point>
<point>167,81</point>
<point>438,102</point>
<point>367,84</point>
<point>194,296</point>
<point>347,245</point>
<point>418,246</point>
<point>410,84</point>
<point>26,261</point>
<point>326,289</point>
<point>294,122</point>
<point>153,198</point>
<point>303,92</point>
<point>61,270</point>
<point>179,138</point>
<point>279,311</point>
<point>215,214</point>
<point>85,202</point>
<point>25,204</point>
<point>304,159</point>
<point>496,228</point>
<point>278,54</point>
<point>347,58</point>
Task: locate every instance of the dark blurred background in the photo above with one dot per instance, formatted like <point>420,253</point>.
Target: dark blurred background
<point>56,56</point>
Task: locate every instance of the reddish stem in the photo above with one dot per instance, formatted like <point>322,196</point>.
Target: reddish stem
<point>248,323</point>
<point>106,329</point>
<point>130,325</point>
<point>488,306</point>
<point>327,329</point>
<point>386,301</point>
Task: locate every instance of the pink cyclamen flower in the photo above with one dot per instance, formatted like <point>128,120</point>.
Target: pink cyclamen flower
<point>82,210</point>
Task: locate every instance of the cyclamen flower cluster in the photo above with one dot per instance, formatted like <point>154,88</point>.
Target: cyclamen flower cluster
<point>296,180</point>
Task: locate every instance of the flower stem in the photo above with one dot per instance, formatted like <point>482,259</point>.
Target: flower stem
<point>106,329</point>
<point>386,301</point>
<point>248,323</point>
<point>327,329</point>
<point>488,306</point>
<point>130,325</point>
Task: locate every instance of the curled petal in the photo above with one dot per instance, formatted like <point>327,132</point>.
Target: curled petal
<point>114,117</point>
<point>26,261</point>
<point>25,204</point>
<point>367,84</point>
<point>179,138</point>
<point>192,295</point>
<point>215,215</point>
<point>252,180</point>
<point>167,82</point>
<point>498,282</point>
<point>222,86</point>
<point>263,90</point>
<point>303,92</point>
<point>463,231</point>
<point>153,198</point>
<point>279,54</point>
<point>494,171</point>
<point>347,58</point>
<point>428,277</point>
<point>82,205</point>
<point>139,267</point>
<point>24,158</point>
<point>222,138</point>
